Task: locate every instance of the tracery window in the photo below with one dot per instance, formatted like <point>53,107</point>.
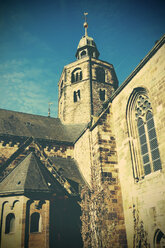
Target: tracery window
<point>159,239</point>
<point>147,135</point>
<point>143,139</point>
<point>10,223</point>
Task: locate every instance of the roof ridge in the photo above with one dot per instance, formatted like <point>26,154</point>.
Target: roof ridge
<point>20,112</point>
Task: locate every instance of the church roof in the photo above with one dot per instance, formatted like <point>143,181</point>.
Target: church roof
<point>88,43</point>
<point>39,127</point>
<point>29,176</point>
<point>87,46</point>
<point>68,168</point>
<point>86,40</point>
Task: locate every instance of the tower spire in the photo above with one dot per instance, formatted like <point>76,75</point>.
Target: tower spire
<point>85,23</point>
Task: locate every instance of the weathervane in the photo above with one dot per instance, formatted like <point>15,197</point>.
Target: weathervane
<point>50,103</point>
<point>85,23</point>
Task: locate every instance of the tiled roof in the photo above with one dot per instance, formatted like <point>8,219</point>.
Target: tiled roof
<point>39,127</point>
<point>29,176</point>
<point>68,168</point>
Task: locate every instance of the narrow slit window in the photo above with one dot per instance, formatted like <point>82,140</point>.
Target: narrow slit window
<point>77,76</point>
<point>102,95</point>
<point>80,75</point>
<point>76,96</point>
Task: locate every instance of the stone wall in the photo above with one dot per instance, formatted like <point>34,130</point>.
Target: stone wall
<point>109,83</point>
<point>88,101</point>
<point>102,211</point>
<point>40,238</point>
<point>69,111</point>
<point>50,149</point>
<point>6,151</point>
<point>12,205</point>
<point>143,200</point>
<point>82,154</point>
<point>21,235</point>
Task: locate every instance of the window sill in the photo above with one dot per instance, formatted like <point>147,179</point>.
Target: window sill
<point>149,177</point>
<point>35,232</point>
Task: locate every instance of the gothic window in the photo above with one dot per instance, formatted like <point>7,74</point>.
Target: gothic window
<point>100,74</point>
<point>76,96</point>
<point>147,135</point>
<point>35,222</point>
<point>159,239</point>
<point>76,75</point>
<point>102,95</point>
<point>10,223</point>
<point>141,129</point>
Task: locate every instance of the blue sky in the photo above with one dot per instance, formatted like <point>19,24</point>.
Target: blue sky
<point>38,38</point>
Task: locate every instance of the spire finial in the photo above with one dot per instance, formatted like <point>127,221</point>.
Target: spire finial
<point>85,23</point>
<point>50,103</point>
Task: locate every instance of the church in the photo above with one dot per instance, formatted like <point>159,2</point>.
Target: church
<point>95,176</point>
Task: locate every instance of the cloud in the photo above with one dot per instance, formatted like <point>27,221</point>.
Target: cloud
<point>27,88</point>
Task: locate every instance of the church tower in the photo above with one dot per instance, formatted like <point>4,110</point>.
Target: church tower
<point>85,84</point>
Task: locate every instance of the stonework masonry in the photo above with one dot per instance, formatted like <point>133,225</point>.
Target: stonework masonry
<point>95,176</point>
<point>102,203</point>
<point>143,200</point>
<point>88,100</point>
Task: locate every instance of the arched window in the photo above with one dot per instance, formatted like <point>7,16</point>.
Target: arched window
<point>159,239</point>
<point>83,54</point>
<point>141,129</point>
<point>76,75</point>
<point>10,223</point>
<point>100,74</point>
<point>35,222</point>
<point>76,96</point>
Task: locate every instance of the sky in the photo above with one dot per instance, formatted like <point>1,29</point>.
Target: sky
<point>38,38</point>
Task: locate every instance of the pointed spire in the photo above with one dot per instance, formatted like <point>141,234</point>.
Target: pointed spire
<point>87,46</point>
<point>85,23</point>
<point>50,103</point>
